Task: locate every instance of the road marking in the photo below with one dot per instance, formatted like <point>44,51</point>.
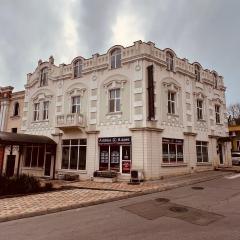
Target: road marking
<point>233,176</point>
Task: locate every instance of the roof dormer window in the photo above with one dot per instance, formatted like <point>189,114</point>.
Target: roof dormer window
<point>44,77</point>
<point>197,73</point>
<point>116,58</point>
<point>77,68</point>
<point>215,81</point>
<point>169,59</point>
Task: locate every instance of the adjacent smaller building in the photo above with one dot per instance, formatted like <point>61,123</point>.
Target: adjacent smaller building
<point>11,106</point>
<point>234,133</point>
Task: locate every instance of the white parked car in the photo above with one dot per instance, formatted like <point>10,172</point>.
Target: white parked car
<point>236,158</point>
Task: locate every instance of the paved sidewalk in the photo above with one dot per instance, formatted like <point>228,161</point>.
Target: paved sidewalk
<point>85,194</point>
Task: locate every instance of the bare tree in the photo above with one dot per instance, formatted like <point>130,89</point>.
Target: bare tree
<point>234,113</point>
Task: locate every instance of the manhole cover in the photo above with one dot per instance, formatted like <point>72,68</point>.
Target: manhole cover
<point>162,200</point>
<point>178,209</point>
<point>197,188</point>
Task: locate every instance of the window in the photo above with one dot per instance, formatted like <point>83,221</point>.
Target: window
<point>34,156</point>
<point>114,100</point>
<point>215,81</point>
<point>16,109</point>
<point>202,151</point>
<point>171,102</point>
<point>44,76</point>
<point>36,112</point>
<point>197,73</point>
<point>172,150</point>
<point>45,110</point>
<point>199,109</point>
<point>217,112</point>
<point>74,154</point>
<point>76,104</point>
<point>169,58</point>
<point>14,130</point>
<point>77,67</point>
<point>116,58</point>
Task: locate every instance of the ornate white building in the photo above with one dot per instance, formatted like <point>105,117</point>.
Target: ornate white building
<point>137,107</point>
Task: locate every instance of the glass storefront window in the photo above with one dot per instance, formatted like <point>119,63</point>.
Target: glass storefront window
<point>74,154</point>
<point>172,150</point>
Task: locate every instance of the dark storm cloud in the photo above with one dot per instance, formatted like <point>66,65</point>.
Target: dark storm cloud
<point>29,31</point>
<point>95,20</point>
<point>206,31</point>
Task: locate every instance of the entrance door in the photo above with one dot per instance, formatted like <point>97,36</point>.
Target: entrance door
<point>10,165</point>
<point>48,163</point>
<point>115,158</point>
<point>220,153</point>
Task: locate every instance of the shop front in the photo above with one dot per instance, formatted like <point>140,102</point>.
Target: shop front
<point>115,154</point>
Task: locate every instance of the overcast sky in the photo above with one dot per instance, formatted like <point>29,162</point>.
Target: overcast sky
<point>206,31</point>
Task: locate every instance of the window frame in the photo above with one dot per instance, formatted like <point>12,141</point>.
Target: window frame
<point>116,100</point>
<point>44,77</point>
<point>81,143</point>
<point>170,61</point>
<point>38,157</point>
<point>46,110</point>
<point>77,68</point>
<point>217,114</point>
<point>197,73</point>
<point>16,109</point>
<point>202,145</point>
<point>200,109</point>
<point>171,102</point>
<point>36,111</point>
<point>116,58</point>
<point>76,104</point>
<point>170,142</point>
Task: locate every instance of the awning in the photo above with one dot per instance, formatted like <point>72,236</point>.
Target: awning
<point>7,138</point>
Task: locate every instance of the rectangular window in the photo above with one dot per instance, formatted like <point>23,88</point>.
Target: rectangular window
<point>14,130</point>
<point>45,110</point>
<point>202,151</point>
<point>36,111</point>
<point>114,100</point>
<point>217,112</point>
<point>171,102</point>
<point>74,153</point>
<point>199,109</point>
<point>34,156</point>
<point>172,150</point>
<point>76,104</point>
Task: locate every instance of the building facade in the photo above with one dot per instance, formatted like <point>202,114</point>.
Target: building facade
<point>11,106</point>
<point>234,133</point>
<point>137,107</point>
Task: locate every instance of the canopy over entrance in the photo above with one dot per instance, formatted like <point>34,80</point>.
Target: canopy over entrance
<point>7,138</point>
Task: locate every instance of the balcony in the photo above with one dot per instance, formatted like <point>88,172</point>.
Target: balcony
<point>70,121</point>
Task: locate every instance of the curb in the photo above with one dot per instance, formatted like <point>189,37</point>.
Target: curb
<point>101,201</point>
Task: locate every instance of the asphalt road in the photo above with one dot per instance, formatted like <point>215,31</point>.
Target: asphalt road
<point>219,197</point>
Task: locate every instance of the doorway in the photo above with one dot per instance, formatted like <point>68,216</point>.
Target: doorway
<point>10,165</point>
<point>220,149</point>
<point>115,158</point>
<point>48,164</point>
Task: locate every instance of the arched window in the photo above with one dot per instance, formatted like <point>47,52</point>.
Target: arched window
<point>197,73</point>
<point>215,80</point>
<point>44,77</point>
<point>116,58</point>
<point>77,67</point>
<point>16,109</point>
<point>169,58</point>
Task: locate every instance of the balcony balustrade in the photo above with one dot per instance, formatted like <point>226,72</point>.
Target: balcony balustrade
<point>70,121</point>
